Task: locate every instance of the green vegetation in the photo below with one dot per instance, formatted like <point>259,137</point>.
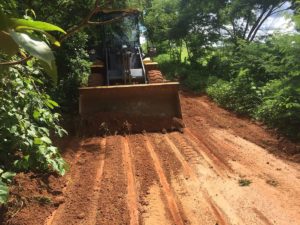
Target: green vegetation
<point>244,182</point>
<point>27,114</point>
<point>228,57</point>
<point>209,46</point>
<point>41,67</point>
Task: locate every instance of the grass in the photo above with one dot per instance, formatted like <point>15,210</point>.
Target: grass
<point>44,200</point>
<point>244,182</point>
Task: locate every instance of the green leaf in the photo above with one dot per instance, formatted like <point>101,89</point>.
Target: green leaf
<point>36,48</point>
<point>46,140</point>
<point>36,114</point>
<point>7,44</point>
<point>4,191</point>
<point>53,103</point>
<point>8,176</point>
<point>51,38</point>
<point>14,23</point>
<point>37,141</point>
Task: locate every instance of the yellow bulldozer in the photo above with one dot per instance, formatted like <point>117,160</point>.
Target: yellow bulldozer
<point>126,92</point>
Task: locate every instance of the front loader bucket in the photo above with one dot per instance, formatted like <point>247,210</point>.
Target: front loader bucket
<point>130,108</point>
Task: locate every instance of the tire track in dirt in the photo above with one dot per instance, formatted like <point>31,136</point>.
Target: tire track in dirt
<point>271,177</point>
<point>72,158</point>
<point>97,187</point>
<point>230,152</point>
<point>152,206</point>
<point>80,206</point>
<point>171,200</point>
<point>204,197</point>
<point>112,204</point>
<point>131,186</point>
<point>206,150</point>
<point>220,203</point>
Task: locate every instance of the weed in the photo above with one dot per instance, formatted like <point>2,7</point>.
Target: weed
<point>244,182</point>
<point>44,200</point>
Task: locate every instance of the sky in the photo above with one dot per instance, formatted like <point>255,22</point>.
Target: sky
<point>279,23</point>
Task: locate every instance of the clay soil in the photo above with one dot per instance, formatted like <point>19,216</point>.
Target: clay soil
<point>221,170</point>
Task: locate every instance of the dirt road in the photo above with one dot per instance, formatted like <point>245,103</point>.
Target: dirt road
<point>221,170</point>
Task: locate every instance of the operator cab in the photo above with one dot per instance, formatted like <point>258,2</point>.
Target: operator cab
<point>120,60</point>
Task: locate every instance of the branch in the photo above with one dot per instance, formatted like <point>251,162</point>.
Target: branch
<point>256,23</point>
<point>228,31</point>
<point>85,22</point>
<point>97,3</point>
<point>105,22</point>
<point>97,9</point>
<point>282,10</point>
<point>247,25</point>
<point>12,63</point>
<point>261,23</point>
<point>82,24</point>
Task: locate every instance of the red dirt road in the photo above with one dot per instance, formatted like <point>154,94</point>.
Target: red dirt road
<point>179,178</point>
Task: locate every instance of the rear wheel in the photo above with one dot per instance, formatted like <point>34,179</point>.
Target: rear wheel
<point>155,76</point>
<point>96,79</point>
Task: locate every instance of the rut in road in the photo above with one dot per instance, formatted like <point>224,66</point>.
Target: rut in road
<point>176,178</point>
<point>156,179</point>
<point>182,178</point>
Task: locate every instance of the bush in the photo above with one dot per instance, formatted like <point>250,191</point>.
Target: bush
<point>195,80</point>
<point>27,120</point>
<point>280,107</point>
<point>240,94</point>
<point>73,69</point>
<point>193,77</point>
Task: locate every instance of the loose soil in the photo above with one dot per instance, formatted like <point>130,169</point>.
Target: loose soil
<point>192,177</point>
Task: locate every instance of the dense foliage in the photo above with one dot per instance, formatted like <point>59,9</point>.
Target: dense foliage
<point>264,83</point>
<point>30,52</point>
<point>27,117</point>
<point>229,58</point>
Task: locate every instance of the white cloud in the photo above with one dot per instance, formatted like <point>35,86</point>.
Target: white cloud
<point>278,24</point>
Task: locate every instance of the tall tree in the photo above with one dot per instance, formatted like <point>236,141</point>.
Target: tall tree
<point>242,19</point>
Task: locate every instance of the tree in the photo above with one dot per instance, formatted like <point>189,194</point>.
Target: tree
<point>242,19</point>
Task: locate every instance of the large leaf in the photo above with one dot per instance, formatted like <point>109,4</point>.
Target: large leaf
<point>7,44</point>
<point>38,49</point>
<point>51,38</point>
<point>8,176</point>
<point>14,23</point>
<point>3,193</point>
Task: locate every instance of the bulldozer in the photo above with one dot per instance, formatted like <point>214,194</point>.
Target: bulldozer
<point>126,91</point>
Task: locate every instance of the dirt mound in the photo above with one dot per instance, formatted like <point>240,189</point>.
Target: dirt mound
<point>155,76</point>
<point>32,193</point>
<point>114,123</point>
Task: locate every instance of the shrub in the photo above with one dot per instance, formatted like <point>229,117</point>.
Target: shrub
<point>73,68</point>
<point>280,107</point>
<point>27,120</point>
<point>240,94</point>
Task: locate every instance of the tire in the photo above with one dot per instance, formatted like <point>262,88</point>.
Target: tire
<point>155,76</point>
<point>96,79</point>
